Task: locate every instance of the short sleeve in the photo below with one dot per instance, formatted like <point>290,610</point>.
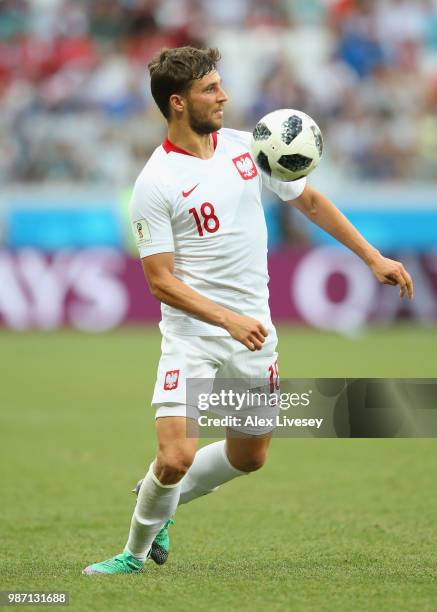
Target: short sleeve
<point>284,190</point>
<point>150,219</point>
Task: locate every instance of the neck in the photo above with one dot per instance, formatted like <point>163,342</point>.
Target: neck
<point>199,145</point>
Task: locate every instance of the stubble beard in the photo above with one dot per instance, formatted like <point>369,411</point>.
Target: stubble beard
<point>201,126</point>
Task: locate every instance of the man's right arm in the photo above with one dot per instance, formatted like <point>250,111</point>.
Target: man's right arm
<point>167,288</point>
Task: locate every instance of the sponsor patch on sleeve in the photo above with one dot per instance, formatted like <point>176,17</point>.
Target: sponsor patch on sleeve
<point>141,232</point>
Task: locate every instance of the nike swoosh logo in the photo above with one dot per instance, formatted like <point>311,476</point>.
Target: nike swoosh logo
<point>187,193</point>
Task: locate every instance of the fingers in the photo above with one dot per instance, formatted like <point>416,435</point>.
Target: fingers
<point>257,342</point>
<point>398,279</point>
<point>408,283</point>
<point>263,330</point>
<point>254,343</point>
<point>252,334</point>
<point>259,336</point>
<point>403,279</point>
<point>256,337</point>
<point>250,344</point>
<point>402,284</point>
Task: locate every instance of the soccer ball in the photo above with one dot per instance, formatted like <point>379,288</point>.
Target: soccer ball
<point>287,144</point>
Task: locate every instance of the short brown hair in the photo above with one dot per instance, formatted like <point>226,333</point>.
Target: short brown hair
<point>173,70</point>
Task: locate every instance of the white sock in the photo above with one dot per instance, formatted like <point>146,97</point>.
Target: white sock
<point>210,469</point>
<point>156,503</point>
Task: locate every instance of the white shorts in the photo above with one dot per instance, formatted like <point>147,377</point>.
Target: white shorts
<point>210,359</point>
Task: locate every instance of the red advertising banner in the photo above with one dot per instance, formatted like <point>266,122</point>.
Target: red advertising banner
<point>99,289</point>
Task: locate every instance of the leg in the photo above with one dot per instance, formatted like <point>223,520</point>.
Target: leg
<point>159,493</point>
<point>160,490</point>
<point>239,454</point>
<point>211,468</point>
<point>175,451</point>
<point>157,500</point>
<point>220,462</point>
<point>247,453</point>
<point>223,461</point>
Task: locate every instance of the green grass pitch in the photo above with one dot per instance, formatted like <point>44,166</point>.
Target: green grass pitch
<point>326,525</point>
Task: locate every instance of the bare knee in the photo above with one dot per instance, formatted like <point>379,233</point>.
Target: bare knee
<point>250,463</point>
<point>172,464</point>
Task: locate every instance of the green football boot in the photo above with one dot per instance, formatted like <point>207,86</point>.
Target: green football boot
<point>161,544</point>
<point>120,564</point>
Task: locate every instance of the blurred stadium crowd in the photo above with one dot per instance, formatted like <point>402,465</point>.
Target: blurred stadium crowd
<point>75,104</point>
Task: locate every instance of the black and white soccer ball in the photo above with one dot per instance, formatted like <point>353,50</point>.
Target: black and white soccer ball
<point>287,144</point>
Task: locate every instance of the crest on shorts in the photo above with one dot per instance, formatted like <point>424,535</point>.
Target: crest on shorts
<point>245,166</point>
<point>171,380</point>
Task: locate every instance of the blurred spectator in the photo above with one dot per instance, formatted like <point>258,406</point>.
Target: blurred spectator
<point>75,104</point>
<point>278,88</point>
<point>358,44</point>
<point>13,18</point>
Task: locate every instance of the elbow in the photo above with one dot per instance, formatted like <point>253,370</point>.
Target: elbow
<point>158,288</point>
<point>155,291</point>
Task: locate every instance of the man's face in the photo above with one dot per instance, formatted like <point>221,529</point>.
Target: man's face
<point>205,102</point>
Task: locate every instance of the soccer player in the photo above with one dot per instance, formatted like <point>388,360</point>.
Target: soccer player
<point>198,220</point>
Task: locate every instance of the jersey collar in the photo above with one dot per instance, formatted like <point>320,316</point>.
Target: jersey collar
<point>169,147</point>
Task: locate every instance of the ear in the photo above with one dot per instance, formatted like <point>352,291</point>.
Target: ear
<point>177,103</point>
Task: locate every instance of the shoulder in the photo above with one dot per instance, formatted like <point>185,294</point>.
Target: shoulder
<point>154,175</point>
<point>236,136</point>
<point>150,191</point>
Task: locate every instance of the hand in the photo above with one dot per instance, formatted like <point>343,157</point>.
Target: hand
<point>246,330</point>
<point>390,272</point>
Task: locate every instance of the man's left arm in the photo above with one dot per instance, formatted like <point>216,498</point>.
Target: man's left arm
<point>321,211</point>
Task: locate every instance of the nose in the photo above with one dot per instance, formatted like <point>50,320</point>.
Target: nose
<point>222,95</point>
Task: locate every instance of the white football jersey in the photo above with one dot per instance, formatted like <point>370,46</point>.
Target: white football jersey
<point>208,212</point>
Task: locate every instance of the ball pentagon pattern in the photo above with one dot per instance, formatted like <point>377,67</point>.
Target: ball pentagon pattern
<point>287,144</point>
